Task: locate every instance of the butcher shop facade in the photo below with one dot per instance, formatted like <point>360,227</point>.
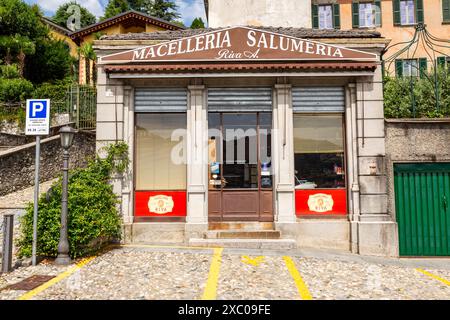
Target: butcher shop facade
<point>242,129</point>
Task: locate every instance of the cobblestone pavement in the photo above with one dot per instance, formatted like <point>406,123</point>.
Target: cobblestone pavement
<point>152,272</point>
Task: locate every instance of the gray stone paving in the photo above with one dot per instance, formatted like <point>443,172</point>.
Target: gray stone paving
<point>176,273</point>
<point>179,273</point>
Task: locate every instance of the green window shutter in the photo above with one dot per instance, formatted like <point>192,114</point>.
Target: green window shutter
<point>336,16</point>
<point>441,62</point>
<point>315,16</point>
<point>399,68</point>
<point>419,11</point>
<point>355,14</point>
<point>446,10</point>
<point>397,18</point>
<point>423,67</point>
<point>378,13</point>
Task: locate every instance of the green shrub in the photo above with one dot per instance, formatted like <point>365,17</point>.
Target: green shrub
<point>56,91</point>
<point>9,71</point>
<point>93,219</point>
<point>415,97</point>
<point>15,90</point>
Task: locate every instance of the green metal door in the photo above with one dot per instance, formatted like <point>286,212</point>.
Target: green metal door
<point>422,201</point>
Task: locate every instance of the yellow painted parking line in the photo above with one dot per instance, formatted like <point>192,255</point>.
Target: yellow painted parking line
<point>210,292</point>
<point>444,281</point>
<point>301,285</point>
<point>252,261</point>
<point>48,284</point>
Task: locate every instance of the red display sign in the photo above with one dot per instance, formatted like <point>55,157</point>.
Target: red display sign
<point>160,204</point>
<point>321,202</point>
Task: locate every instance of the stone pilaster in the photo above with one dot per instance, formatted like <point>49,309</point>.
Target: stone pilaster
<point>197,138</point>
<point>283,156</point>
<point>128,134</point>
<point>377,232</point>
<point>352,163</point>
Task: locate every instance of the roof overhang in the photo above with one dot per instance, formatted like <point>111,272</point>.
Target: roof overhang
<point>241,67</point>
<point>135,16</point>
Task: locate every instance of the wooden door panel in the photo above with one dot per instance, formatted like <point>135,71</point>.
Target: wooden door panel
<point>214,206</point>
<point>240,205</point>
<point>266,205</point>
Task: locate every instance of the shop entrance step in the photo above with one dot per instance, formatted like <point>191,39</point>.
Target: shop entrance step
<point>270,244</point>
<point>241,226</point>
<point>242,234</point>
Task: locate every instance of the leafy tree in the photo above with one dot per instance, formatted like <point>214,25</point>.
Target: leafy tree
<point>19,46</point>
<point>25,39</point>
<point>137,5</point>
<point>87,51</point>
<point>51,62</point>
<point>116,7</point>
<point>63,15</point>
<point>164,9</point>
<point>17,17</point>
<point>197,24</point>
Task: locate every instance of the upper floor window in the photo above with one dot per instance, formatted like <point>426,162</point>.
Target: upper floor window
<point>407,12</point>
<point>326,16</point>
<point>366,14</point>
<point>369,15</point>
<point>446,10</point>
<point>411,67</point>
<point>443,62</point>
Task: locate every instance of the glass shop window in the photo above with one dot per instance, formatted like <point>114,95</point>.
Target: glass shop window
<point>160,162</point>
<point>319,152</point>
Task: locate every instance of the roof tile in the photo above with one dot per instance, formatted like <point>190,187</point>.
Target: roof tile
<point>294,32</point>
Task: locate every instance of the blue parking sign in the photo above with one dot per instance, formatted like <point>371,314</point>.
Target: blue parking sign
<point>38,109</point>
<point>37,117</point>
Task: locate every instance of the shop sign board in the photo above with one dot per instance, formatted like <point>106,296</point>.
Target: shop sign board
<point>321,202</point>
<point>238,44</point>
<point>160,204</point>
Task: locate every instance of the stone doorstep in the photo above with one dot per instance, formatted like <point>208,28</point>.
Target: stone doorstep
<point>240,234</point>
<point>281,244</point>
<point>241,226</point>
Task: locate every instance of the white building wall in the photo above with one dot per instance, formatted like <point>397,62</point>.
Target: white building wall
<point>269,13</point>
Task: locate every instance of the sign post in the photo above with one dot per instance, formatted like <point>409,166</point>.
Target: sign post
<point>37,124</point>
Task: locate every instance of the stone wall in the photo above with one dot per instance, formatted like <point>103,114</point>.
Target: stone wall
<point>13,140</point>
<point>17,164</point>
<point>414,140</point>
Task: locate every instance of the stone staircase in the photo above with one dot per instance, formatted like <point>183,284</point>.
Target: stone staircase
<point>244,235</point>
